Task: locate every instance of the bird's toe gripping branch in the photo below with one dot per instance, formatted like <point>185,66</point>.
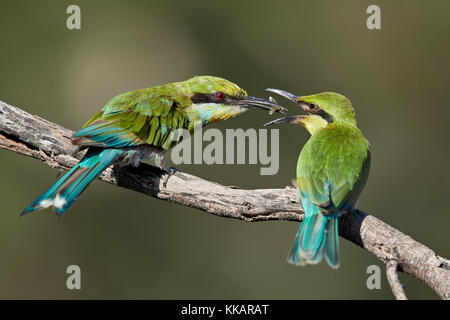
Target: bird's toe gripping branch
<point>170,171</point>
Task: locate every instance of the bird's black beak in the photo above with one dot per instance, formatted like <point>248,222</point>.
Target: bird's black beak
<point>288,95</point>
<point>293,98</point>
<point>292,119</point>
<point>262,104</point>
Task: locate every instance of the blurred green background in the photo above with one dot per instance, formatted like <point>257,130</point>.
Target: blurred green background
<point>130,246</point>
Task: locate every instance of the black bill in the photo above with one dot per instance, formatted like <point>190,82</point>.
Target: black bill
<point>291,119</point>
<point>262,104</point>
<point>285,94</point>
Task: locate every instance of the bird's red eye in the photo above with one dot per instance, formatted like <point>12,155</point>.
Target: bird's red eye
<point>220,95</point>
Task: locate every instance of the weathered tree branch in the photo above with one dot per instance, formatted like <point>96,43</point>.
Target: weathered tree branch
<point>36,137</point>
<point>391,275</point>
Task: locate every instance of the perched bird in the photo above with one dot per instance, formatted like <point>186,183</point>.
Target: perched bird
<point>141,125</point>
<point>332,170</point>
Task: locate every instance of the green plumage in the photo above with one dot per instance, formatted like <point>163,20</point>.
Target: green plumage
<point>140,125</point>
<point>332,170</point>
<point>151,116</point>
<point>330,164</point>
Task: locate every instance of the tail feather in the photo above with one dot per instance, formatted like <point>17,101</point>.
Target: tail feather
<point>46,199</point>
<point>312,235</point>
<point>68,188</point>
<point>317,237</point>
<point>317,257</point>
<point>294,256</point>
<point>332,243</point>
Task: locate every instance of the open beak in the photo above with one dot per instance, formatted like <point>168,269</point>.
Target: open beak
<point>312,122</point>
<point>262,104</point>
<point>285,94</point>
<point>292,119</point>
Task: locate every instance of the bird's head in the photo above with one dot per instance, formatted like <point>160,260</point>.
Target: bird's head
<point>322,109</point>
<point>214,99</point>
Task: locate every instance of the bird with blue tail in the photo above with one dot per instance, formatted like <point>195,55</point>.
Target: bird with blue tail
<point>332,170</point>
<point>142,125</point>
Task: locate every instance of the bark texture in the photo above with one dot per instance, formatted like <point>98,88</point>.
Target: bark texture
<point>33,136</point>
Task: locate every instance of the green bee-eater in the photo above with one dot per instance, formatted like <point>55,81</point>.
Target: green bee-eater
<point>141,125</point>
<point>332,170</point>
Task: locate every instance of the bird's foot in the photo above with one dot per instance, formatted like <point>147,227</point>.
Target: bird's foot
<point>170,171</point>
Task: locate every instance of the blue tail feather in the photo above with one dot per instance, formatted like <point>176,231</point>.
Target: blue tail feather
<point>312,235</point>
<point>68,188</point>
<point>317,237</point>
<point>332,243</point>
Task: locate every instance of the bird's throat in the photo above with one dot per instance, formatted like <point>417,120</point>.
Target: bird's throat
<point>206,113</point>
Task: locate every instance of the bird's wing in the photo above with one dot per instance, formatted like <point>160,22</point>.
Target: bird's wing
<point>332,170</point>
<point>133,119</point>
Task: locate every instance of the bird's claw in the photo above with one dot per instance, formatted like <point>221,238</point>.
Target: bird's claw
<point>170,171</point>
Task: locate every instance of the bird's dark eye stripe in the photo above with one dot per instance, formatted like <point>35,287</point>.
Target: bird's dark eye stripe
<point>313,108</point>
<point>328,117</point>
<point>218,97</point>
